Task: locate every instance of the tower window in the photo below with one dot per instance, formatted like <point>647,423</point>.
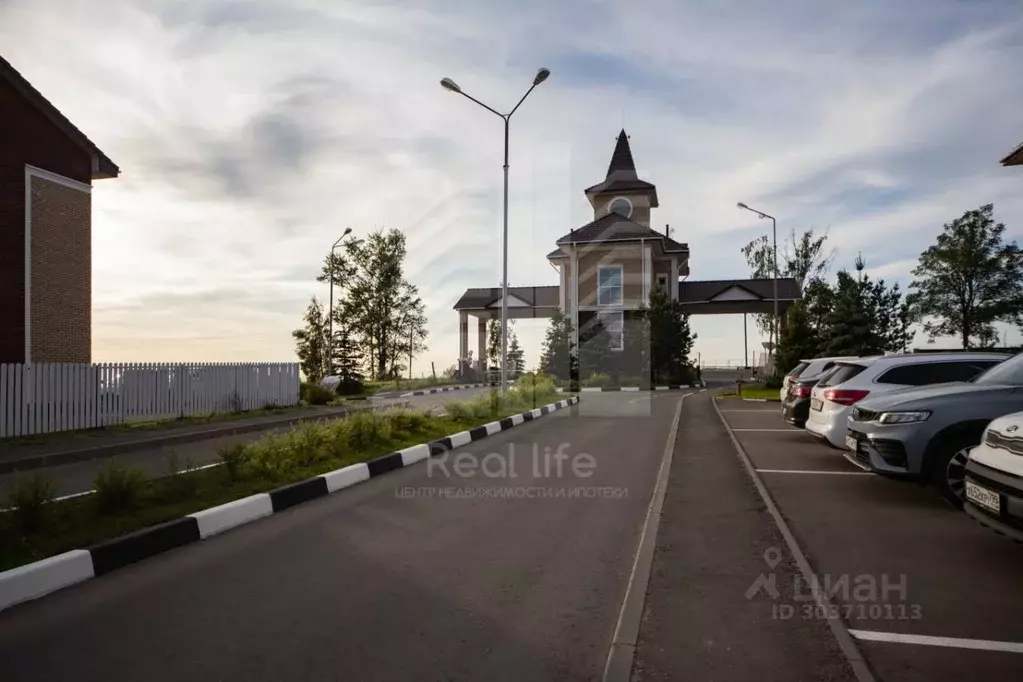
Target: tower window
<point>621,206</point>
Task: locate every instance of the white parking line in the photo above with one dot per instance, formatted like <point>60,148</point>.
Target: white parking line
<point>803,471</point>
<point>791,430</point>
<point>927,640</point>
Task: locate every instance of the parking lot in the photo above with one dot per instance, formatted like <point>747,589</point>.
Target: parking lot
<point>902,564</point>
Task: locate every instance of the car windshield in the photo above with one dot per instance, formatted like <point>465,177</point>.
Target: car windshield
<point>1009,373</point>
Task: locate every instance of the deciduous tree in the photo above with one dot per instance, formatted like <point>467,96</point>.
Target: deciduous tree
<point>968,280</point>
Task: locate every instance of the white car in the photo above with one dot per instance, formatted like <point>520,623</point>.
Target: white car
<point>994,477</point>
<point>808,369</point>
<point>832,399</point>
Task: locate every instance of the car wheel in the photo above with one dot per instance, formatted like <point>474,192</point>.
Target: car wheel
<point>949,471</point>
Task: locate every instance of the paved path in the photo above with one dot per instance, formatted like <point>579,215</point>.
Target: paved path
<point>374,585</point>
<point>699,623</point>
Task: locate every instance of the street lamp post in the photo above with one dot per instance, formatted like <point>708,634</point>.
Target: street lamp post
<point>330,310</point>
<point>449,84</point>
<point>774,249</point>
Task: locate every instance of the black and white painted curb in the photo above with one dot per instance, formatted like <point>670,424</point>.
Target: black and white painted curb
<point>445,389</point>
<point>629,389</point>
<point>49,575</point>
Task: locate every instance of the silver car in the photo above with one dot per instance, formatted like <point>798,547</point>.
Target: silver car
<point>926,433</point>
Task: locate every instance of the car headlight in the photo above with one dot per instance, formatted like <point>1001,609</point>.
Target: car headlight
<point>902,417</point>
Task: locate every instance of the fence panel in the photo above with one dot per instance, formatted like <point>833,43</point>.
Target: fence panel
<point>41,398</point>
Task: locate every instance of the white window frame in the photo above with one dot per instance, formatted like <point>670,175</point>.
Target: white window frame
<point>628,201</point>
<point>617,342</point>
<point>621,286</point>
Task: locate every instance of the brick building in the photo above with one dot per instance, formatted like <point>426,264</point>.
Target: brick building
<point>47,167</point>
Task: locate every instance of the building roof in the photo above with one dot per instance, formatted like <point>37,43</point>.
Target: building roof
<point>621,157</point>
<point>621,174</point>
<point>696,292</point>
<point>102,166</point>
<point>613,227</point>
<point>541,297</point>
<point>557,253</point>
<point>1015,157</point>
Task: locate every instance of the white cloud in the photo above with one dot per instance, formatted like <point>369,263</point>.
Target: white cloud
<point>250,133</point>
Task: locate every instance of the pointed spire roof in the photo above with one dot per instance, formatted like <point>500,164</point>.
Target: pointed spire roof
<point>621,159</point>
<point>621,174</point>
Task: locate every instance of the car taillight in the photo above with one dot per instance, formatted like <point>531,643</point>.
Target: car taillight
<point>845,396</point>
<point>803,391</point>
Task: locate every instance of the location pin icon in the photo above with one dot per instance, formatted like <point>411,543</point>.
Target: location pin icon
<point>772,555</point>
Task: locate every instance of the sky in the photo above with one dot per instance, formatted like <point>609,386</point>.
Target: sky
<point>250,133</point>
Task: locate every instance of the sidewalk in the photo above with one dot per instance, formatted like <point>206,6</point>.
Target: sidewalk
<point>698,623</point>
<point>62,448</point>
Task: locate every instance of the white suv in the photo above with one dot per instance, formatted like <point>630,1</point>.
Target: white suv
<point>809,369</point>
<point>851,381</point>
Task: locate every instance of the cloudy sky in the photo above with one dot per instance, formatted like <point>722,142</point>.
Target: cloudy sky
<point>251,132</point>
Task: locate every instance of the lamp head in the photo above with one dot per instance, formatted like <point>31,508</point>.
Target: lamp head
<point>742,205</point>
<point>541,76</point>
<point>449,84</point>
<point>348,231</point>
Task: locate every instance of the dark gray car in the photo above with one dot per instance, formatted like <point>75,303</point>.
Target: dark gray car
<point>926,433</point>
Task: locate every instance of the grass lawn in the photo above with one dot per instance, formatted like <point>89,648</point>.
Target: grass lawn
<point>139,426</point>
<point>757,392</point>
<point>126,502</point>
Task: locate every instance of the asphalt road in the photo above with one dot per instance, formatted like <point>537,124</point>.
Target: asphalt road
<point>946,576</point>
<point>410,576</point>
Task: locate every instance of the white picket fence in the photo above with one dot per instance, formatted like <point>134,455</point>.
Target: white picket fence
<point>43,397</point>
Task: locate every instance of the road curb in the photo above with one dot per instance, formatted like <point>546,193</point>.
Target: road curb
<point>37,579</point>
<point>445,389</point>
<point>102,451</point>
<point>630,389</point>
<point>846,643</point>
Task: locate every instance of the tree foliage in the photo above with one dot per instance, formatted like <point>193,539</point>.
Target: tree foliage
<point>311,342</point>
<point>798,340</point>
<point>867,317</point>
<point>384,310</point>
<point>803,258</point>
<point>347,356</point>
<point>557,356</point>
<point>516,356</point>
<point>968,280</point>
<point>671,339</point>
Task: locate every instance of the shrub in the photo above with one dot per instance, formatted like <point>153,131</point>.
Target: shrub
<point>28,498</point>
<point>405,421</point>
<point>233,457</point>
<point>458,410</point>
<point>268,459</point>
<point>314,394</point>
<point>119,488</point>
<point>365,429</point>
<point>597,380</point>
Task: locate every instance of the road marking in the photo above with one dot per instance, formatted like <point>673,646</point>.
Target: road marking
<point>750,409</point>
<point>790,430</point>
<point>803,471</point>
<point>754,400</point>
<point>838,629</point>
<point>927,640</point>
<point>623,643</point>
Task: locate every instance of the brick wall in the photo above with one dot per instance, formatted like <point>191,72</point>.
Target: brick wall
<point>61,273</point>
<point>26,137</point>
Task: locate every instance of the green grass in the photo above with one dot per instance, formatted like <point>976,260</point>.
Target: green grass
<point>753,392</point>
<point>131,427</point>
<point>275,460</point>
<point>372,387</point>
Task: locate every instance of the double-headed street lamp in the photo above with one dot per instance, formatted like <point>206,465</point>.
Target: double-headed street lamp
<point>774,249</point>
<point>449,84</point>
<point>330,310</point>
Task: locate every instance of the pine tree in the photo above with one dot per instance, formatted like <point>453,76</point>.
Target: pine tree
<point>347,358</point>
<point>558,354</point>
<point>516,356</point>
<point>848,325</point>
<point>797,340</point>
<point>671,340</point>
<point>311,343</point>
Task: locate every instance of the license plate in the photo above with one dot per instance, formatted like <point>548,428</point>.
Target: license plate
<point>850,443</point>
<point>816,404</point>
<point>983,497</point>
